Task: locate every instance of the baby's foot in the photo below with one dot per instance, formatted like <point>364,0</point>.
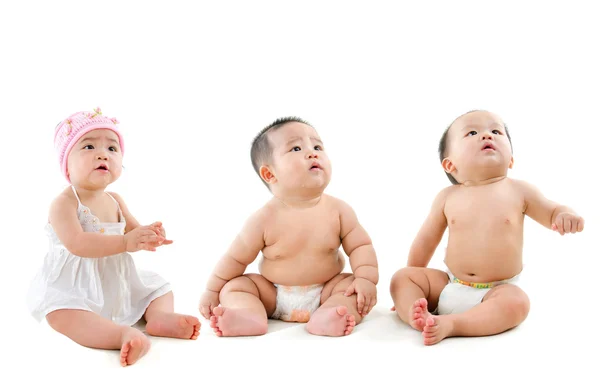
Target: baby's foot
<point>173,325</point>
<point>436,328</point>
<point>332,321</point>
<point>418,314</point>
<point>134,344</point>
<point>238,322</point>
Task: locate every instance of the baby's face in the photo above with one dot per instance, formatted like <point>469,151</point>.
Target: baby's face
<point>96,159</point>
<point>478,141</point>
<point>299,160</point>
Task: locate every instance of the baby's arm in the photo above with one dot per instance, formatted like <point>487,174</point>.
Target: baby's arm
<point>64,221</point>
<point>363,260</point>
<point>548,213</point>
<point>242,252</point>
<point>431,232</point>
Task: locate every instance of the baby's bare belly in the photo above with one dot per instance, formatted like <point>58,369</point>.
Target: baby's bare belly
<point>484,260</point>
<point>301,270</point>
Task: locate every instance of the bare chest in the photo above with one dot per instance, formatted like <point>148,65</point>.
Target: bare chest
<point>297,233</point>
<point>476,208</point>
<point>105,211</point>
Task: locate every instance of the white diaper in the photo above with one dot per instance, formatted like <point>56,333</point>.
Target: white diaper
<point>459,296</point>
<point>297,303</point>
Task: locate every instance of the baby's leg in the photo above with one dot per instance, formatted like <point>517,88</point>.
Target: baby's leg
<point>502,308</point>
<point>163,321</point>
<point>338,314</point>
<point>91,330</point>
<point>246,303</point>
<point>415,292</point>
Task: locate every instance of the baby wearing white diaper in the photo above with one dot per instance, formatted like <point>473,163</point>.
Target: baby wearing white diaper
<point>299,231</point>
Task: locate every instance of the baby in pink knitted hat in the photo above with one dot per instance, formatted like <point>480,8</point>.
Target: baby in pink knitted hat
<point>70,131</point>
<point>88,287</point>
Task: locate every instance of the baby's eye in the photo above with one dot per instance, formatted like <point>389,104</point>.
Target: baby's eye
<point>89,147</point>
<point>296,148</point>
<point>318,147</point>
<point>496,132</point>
<point>472,132</point>
<point>112,148</point>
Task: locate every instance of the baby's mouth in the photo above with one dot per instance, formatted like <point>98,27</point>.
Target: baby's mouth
<point>102,167</point>
<point>315,167</point>
<point>488,146</point>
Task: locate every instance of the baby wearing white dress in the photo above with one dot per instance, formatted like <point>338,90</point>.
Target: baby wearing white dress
<point>88,287</point>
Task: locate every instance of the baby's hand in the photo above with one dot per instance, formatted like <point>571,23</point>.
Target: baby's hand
<point>144,237</point>
<point>567,223</point>
<point>161,231</point>
<point>366,294</point>
<point>208,301</point>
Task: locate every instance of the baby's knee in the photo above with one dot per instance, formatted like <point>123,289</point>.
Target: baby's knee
<point>404,274</point>
<point>240,284</point>
<point>58,320</point>
<point>520,305</point>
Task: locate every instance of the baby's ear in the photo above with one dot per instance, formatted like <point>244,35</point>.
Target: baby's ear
<point>512,161</point>
<point>267,175</point>
<point>448,165</point>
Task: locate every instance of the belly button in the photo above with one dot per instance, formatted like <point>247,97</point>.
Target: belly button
<point>471,274</point>
<point>452,221</point>
<point>507,221</point>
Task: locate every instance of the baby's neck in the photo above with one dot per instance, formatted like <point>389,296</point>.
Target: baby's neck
<point>87,193</point>
<point>299,202</point>
<point>483,181</point>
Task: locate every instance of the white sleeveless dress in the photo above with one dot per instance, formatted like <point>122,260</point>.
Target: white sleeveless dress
<point>109,286</point>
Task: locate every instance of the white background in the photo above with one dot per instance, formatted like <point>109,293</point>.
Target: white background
<point>192,83</point>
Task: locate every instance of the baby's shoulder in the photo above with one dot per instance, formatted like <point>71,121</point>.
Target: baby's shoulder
<point>65,202</point>
<point>341,209</point>
<point>522,188</point>
<point>66,198</point>
<point>260,216</point>
<point>516,183</point>
<point>442,195</point>
<point>336,203</point>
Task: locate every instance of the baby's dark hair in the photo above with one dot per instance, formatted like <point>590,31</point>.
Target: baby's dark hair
<point>261,151</point>
<point>444,141</point>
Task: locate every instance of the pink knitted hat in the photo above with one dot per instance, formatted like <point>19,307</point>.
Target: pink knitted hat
<point>69,131</point>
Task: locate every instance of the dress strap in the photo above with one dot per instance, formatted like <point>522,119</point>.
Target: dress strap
<point>76,195</point>
<point>116,202</point>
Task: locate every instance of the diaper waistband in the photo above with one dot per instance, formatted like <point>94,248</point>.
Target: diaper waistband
<point>493,284</point>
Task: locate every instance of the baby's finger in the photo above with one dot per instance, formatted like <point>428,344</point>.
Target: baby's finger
<point>360,301</point>
<point>149,232</point>
<point>151,239</point>
<point>567,225</point>
<point>205,311</point>
<point>365,309</point>
<point>559,225</point>
<point>349,290</point>
<point>580,225</point>
<point>147,247</point>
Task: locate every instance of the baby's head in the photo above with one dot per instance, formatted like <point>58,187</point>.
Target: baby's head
<point>290,158</point>
<point>89,148</point>
<point>476,145</point>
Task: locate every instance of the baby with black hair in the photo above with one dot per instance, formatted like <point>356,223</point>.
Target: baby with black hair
<point>299,232</point>
<point>484,211</point>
